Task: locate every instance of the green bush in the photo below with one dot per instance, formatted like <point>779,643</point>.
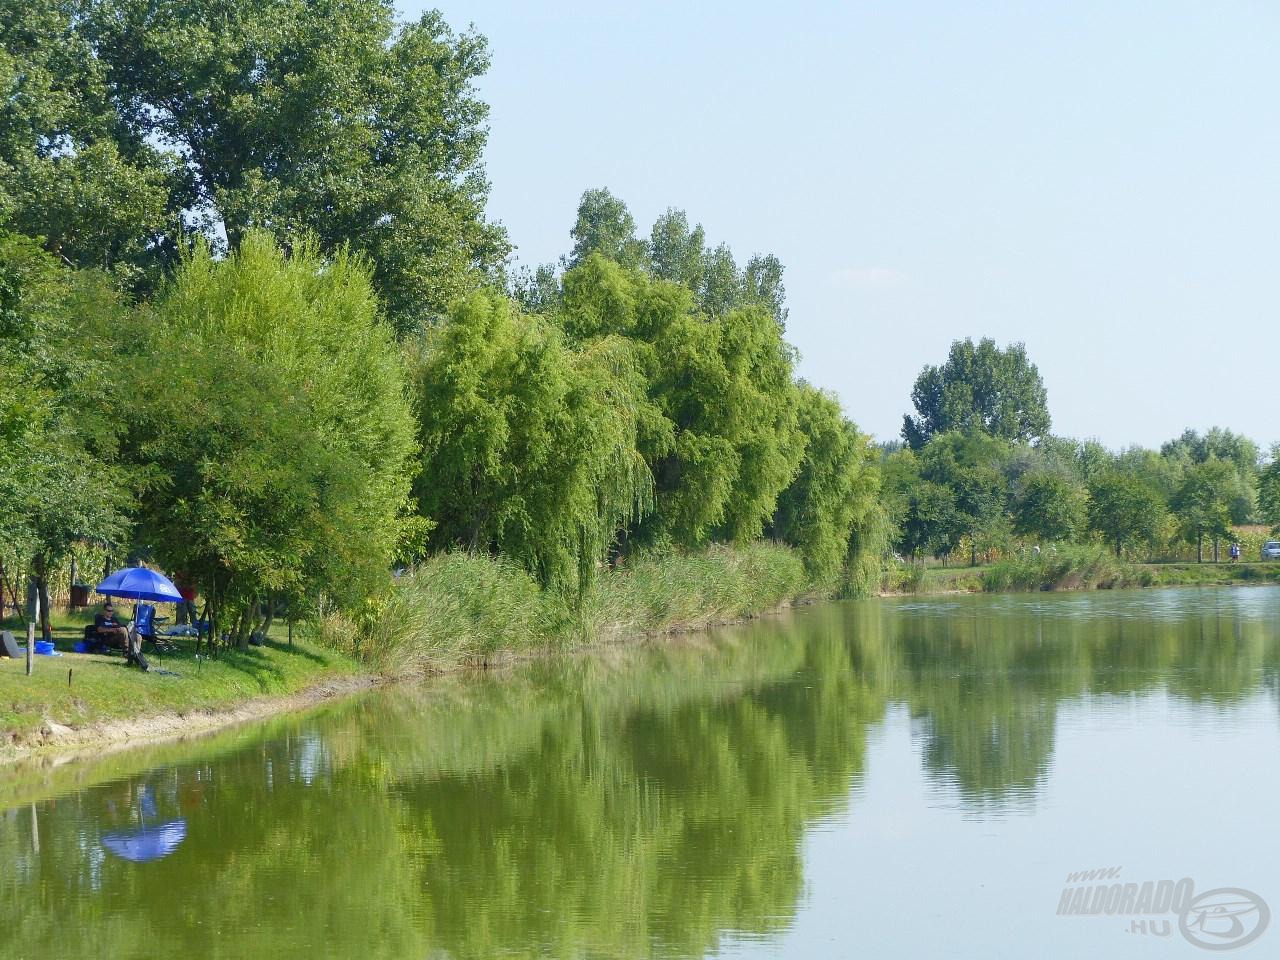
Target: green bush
<point>1063,567</point>
<point>462,608</point>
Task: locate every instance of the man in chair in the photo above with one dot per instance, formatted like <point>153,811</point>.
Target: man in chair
<point>110,630</point>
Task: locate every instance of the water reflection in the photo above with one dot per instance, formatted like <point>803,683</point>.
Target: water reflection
<point>632,804</point>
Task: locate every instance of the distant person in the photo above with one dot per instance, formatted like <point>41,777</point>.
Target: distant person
<point>110,630</point>
<point>1235,552</point>
<point>187,608</point>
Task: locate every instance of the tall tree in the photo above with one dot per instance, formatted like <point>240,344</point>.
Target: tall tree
<point>528,445</point>
<point>762,282</point>
<point>71,173</point>
<point>295,116</point>
<point>605,226</point>
<point>1204,500</point>
<point>1235,449</point>
<point>1125,510</point>
<point>1269,490</point>
<point>676,251</point>
<point>62,395</point>
<point>834,490</point>
<point>278,444</point>
<point>979,387</point>
<point>718,429</point>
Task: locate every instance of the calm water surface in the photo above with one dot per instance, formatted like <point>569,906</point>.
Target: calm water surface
<point>882,779</point>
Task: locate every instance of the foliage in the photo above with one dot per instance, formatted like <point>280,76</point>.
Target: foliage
<point>834,490</point>
<point>1269,490</point>
<point>288,115</point>
<point>528,444</point>
<point>1049,506</point>
<point>1124,510</point>
<point>1191,450</point>
<point>1061,567</point>
<point>277,443</point>
<point>61,393</point>
<point>458,607</point>
<point>605,227</point>
<point>718,428</point>
<point>674,252</point>
<point>970,467</point>
<point>1203,503</point>
<point>69,171</point>
<point>979,387</point>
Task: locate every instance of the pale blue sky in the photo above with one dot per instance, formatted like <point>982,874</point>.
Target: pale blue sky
<point>1098,179</point>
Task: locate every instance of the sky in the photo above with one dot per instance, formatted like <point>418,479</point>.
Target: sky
<point>1099,180</point>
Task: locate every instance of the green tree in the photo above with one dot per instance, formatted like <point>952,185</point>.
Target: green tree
<point>528,445</point>
<point>605,226</point>
<point>278,443</point>
<point>971,466</point>
<point>1242,453</point>
<point>1049,506</point>
<point>833,492</point>
<point>676,251</point>
<point>288,115</point>
<point>979,387</point>
<point>923,512</point>
<point>718,428</point>
<point>1124,509</point>
<point>70,172</point>
<point>1269,489</point>
<point>762,283</point>
<point>61,395</point>
<point>1204,501</point>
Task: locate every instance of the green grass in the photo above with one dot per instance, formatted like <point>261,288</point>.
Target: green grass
<point>1171,574</point>
<point>458,609</point>
<point>1063,567</point>
<point>103,689</point>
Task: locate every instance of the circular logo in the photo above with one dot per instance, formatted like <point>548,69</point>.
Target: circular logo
<point>1224,919</point>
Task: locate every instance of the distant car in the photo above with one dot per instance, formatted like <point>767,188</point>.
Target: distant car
<point>1271,550</point>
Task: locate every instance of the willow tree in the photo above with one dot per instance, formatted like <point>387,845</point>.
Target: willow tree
<point>836,487</point>
<point>718,426</point>
<point>528,444</point>
<point>276,430</point>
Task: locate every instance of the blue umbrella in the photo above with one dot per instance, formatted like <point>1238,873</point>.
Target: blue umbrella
<point>139,583</point>
<point>147,843</point>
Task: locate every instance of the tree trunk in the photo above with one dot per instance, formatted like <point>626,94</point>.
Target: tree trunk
<point>1199,548</point>
<point>1215,549</point>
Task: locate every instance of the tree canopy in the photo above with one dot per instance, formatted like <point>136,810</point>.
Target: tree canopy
<point>137,117</point>
<point>529,444</point>
<point>979,387</point>
<point>276,446</point>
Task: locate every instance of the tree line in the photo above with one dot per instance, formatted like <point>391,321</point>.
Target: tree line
<point>979,472</point>
<point>258,331</point>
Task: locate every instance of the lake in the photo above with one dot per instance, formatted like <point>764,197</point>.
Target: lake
<point>1048,775</point>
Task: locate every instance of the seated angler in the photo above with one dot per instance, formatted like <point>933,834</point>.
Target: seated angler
<point>109,630</point>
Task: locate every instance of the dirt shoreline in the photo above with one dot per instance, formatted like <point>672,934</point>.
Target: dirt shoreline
<point>60,744</point>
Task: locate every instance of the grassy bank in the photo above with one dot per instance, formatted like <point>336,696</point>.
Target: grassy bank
<point>455,610</point>
<point>458,609</point>
<point>101,689</point>
<point>1072,568</point>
